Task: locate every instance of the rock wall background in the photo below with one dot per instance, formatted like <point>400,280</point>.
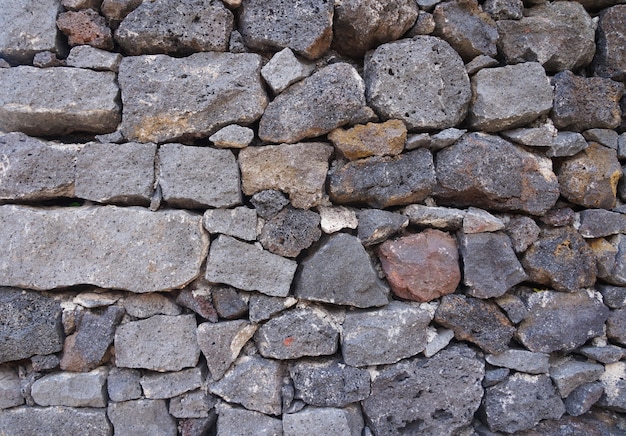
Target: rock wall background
<point>306,217</point>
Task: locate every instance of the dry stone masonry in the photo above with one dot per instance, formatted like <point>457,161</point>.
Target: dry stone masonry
<point>312,217</point>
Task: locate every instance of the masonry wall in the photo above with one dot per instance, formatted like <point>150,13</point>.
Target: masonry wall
<point>359,217</point>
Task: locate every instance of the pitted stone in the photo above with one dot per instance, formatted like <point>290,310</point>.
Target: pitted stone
<point>610,60</point>
<point>285,69</point>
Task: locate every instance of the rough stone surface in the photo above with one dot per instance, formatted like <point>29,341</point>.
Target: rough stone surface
<point>526,89</point>
<point>614,382</point>
<point>480,221</point>
<point>232,136</point>
<point>606,137</point>
<point>71,389</point>
<point>568,375</point>
<point>239,222</point>
<point>333,219</point>
<point>85,56</point>
<point>194,404</point>
<point>290,231</point>
<point>445,138</point>
<point>371,139</point>
<point>200,301</point>
<point>434,216</point>
<point>285,69</point>
<point>322,274</point>
<point>229,303</point>
<point>384,181</point>
<point>327,421</point>
<point>27,421</point>
<point>405,90</point>
<point>616,326</point>
<point>605,354</point>
<point>610,255</point>
<point>116,10</point>
<point>233,421</point>
<point>596,223</point>
<point>483,170</point>
<point>10,388</point>
<point>421,266</point>
<point>56,110</point>
<point>124,384</point>
<point>85,27</point>
<point>504,9</point>
<point>141,417</point>
<point>160,343</point>
<point>328,99</point>
<point>566,144</point>
<point>299,170</point>
<point>583,397</point>
<point>448,387</point>
<point>179,27</point>
<point>386,335</point>
<point>521,360</point>
<point>375,226</point>
<point>541,136</point>
<point>147,305</point>
<point>263,307</point>
<point>424,25</point>
<point>167,99</point>
<point>561,321</point>
<point>610,60</point>
<point>158,386</point>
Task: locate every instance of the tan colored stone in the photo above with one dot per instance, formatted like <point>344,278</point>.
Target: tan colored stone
<point>371,139</point>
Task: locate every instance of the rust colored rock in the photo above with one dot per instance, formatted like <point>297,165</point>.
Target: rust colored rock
<point>371,139</point>
<point>422,266</point>
<point>86,27</point>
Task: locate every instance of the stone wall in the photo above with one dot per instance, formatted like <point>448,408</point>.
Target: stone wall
<point>360,217</point>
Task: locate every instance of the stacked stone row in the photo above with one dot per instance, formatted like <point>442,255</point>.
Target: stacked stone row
<point>277,217</point>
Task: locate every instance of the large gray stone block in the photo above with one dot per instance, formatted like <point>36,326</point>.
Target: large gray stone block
<point>110,247</point>
<point>82,389</point>
<point>132,418</point>
<point>158,386</point>
<point>234,421</point>
<point>28,421</point>
<point>328,421</point>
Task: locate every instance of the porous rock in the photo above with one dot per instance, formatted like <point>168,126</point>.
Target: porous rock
<point>566,144</point>
<point>435,216</point>
<point>141,417</point>
<point>610,60</point>
<point>604,354</point>
<point>147,305</point>
<point>200,301</point>
<point>26,421</point>
<point>194,404</point>
<point>371,139</point>
<point>583,397</point>
<point>290,231</point>
<point>10,388</point>
<point>611,258</point>
<point>116,10</point>
<point>480,221</point>
<point>263,307</point>
<point>232,136</point>
<point>239,222</point>
<point>616,326</point>
<point>597,223</point>
<point>86,389</point>
<point>375,225</point>
<point>613,296</point>
<point>522,231</point>
<point>504,9</point>
<point>85,27</point>
<point>123,384</point>
<point>229,303</point>
<point>233,421</point>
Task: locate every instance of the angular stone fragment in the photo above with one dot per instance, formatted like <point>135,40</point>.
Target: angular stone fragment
<point>513,305</point>
<point>521,360</point>
<point>426,396</point>
<point>194,404</point>
<point>371,139</point>
<point>239,222</point>
<point>200,301</point>
<point>229,303</point>
<point>610,60</point>
<point>333,219</point>
<point>247,267</point>
<point>141,417</point>
<point>421,266</point>
<point>476,321</point>
<point>610,255</point>
<point>147,305</point>
<point>160,343</point>
<point>596,223</point>
<point>386,335</point>
<point>445,138</point>
<point>232,136</point>
<point>28,421</point>
<point>566,144</point>
<point>323,420</point>
<point>433,216</point>
<point>424,25</point>
<point>85,27</point>
<point>570,374</point>
<point>86,56</point>
<point>542,136</point>
<point>480,221</point>
<point>616,326</point>
<point>526,89</point>
<point>179,27</point>
<point>375,226</point>
<point>57,101</point>
<point>560,36</point>
<point>483,170</point>
<point>285,69</point>
<point>197,426</point>
<point>46,59</point>
<point>561,321</point>
<point>585,103</point>
<point>438,339</point>
<point>290,231</point>
<point>381,182</point>
<point>296,169</point>
<point>328,99</point>
<point>608,138</point>
<point>322,276</point>
<point>72,389</point>
<point>606,354</point>
<point>428,90</point>
<point>158,386</point>
<point>263,307</point>
<point>590,178</point>
<point>495,376</point>
<point>234,421</point>
<point>124,384</point>
<point>10,388</point>
<point>504,9</point>
<point>583,397</point>
<point>520,402</point>
<point>614,383</point>
<point>221,343</point>
<point>303,26</point>
<point>169,99</point>
<point>116,10</point>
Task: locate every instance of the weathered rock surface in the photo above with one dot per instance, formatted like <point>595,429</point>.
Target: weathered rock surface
<point>327,421</point>
<point>375,226</point>
<point>234,421</point>
<point>285,69</point>
<point>330,98</point>
<point>200,301</point>
<point>296,169</point>
<point>504,9</point>
<point>610,60</point>
<point>596,223</point>
<point>85,27</point>
<point>614,382</point>
<point>480,221</point>
<point>610,255</point>
<point>521,360</point>
<point>335,218</point>
<point>570,374</point>
<point>229,303</point>
<point>56,110</point>
<point>371,139</point>
<point>158,386</point>
<point>232,136</point>
<point>322,274</point>
<point>263,307</point>
<point>582,398</point>
<point>141,417</point>
<point>612,296</point>
<point>116,10</point>
<point>290,231</point>
<point>566,144</point>
<point>483,170</point>
<point>193,404</point>
<point>406,90</point>
<point>384,181</point>
<point>436,396</point>
<point>124,384</point>
<point>10,388</point>
<point>169,99</point>
<point>71,389</point>
<point>434,216</point>
<point>239,222</point>
<point>147,305</point>
<point>522,231</point>
<point>27,421</point>
<point>616,326</point>
<point>421,266</point>
<point>85,56</point>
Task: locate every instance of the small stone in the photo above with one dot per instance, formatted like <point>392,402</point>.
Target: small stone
<point>116,10</point>
<point>296,169</point>
<point>504,9</point>
<point>124,384</point>
<point>583,398</point>
<point>234,421</point>
<point>417,140</point>
<point>616,326</point>
<point>445,138</point>
<point>284,69</point>
<point>196,426</point>
<point>480,62</point>
<point>25,421</point>
<point>147,305</point>
<point>236,43</point>
<point>200,301</point>
<point>597,223</point>
<point>85,389</point>
<point>228,302</point>
<point>193,404</point>
<point>268,203</point>
<point>424,25</point>
<point>97,298</point>
<point>609,60</point>
<point>333,219</point>
<point>324,420</point>
<point>46,59</point>
<point>170,384</point>
<point>322,274</point>
<point>570,374</point>
<point>621,141</point>
<point>371,139</point>
<point>438,341</point>
<point>605,137</point>
<point>567,144</point>
<point>263,307</point>
<point>611,258</point>
<point>239,222</point>
<point>221,343</point>
<point>614,382</point>
<point>613,296</point>
<point>606,354</point>
<point>495,376</point>
<point>523,232</point>
<point>433,216</point>
<point>521,360</point>
<point>290,231</point>
<point>75,5</point>
<point>232,136</point>
<point>514,307</point>
<point>142,417</point>
<point>85,27</point>
<point>542,136</point>
<point>559,217</point>
<point>476,321</point>
<point>10,388</point>
<point>375,226</point>
<point>111,138</point>
<point>480,221</point>
<point>44,363</point>
<point>85,56</point>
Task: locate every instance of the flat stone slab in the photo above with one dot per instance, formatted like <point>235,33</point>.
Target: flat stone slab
<point>27,421</point>
<point>134,249</point>
<point>75,389</point>
<point>57,101</point>
<point>141,417</point>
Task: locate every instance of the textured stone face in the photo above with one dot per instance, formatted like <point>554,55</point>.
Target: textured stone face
<point>24,421</point>
<point>290,231</point>
<point>428,90</point>
<point>324,420</point>
<point>375,226</point>
<point>167,99</point>
<point>234,420</point>
<point>141,417</point>
<point>610,60</point>
<point>71,389</point>
<point>371,139</point>
<point>85,27</point>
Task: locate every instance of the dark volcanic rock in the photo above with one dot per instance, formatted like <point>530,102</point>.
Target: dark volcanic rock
<point>521,360</point>
<point>611,258</point>
<point>228,302</point>
<point>583,397</point>
<point>616,326</point>
<point>484,170</point>
<point>570,374</point>
<point>290,231</point>
<point>200,301</point>
<point>141,417</point>
<point>610,60</point>
<point>235,420</point>
<point>523,231</point>
<point>375,225</point>
<point>268,203</point>
<point>596,223</point>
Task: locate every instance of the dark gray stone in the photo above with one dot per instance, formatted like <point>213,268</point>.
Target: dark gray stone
<point>46,59</point>
<point>376,225</point>
<point>540,136</point>
<point>610,60</point>
<point>263,307</point>
<point>480,221</point>
<point>290,231</point>
<point>495,376</point>
<point>611,259</point>
<point>199,300</point>
<point>11,392</point>
<point>141,417</point>
<point>197,426</point>
<point>194,404</point>
<point>285,69</point>
<point>228,302</point>
<point>566,144</point>
<point>323,420</point>
<point>124,384</point>
<point>86,389</point>
<point>158,386</point>
<point>605,354</point>
<point>613,296</point>
<point>234,421</point>
<point>147,305</point>
<point>268,203</point>
<point>521,360</point>
<point>504,9</point>
<point>606,137</point>
<point>28,421</point>
<point>583,397</point>
<point>322,274</point>
<point>614,382</point>
<point>514,307</point>
<point>596,223</point>
<point>522,231</point>
<point>570,374</point>
<point>616,326</point>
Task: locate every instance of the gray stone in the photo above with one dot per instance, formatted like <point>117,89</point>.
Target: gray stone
<point>609,60</point>
<point>621,142</point>
<point>85,27</point>
<point>66,100</point>
<point>116,173</point>
<point>522,231</point>
<point>10,388</point>
<point>75,5</point>
<point>376,225</point>
<point>570,374</point>
<point>490,266</point>
<point>322,274</point>
<point>46,59</point>
<point>141,417</point>
<point>417,140</point>
<point>147,305</point>
<point>382,182</point>
<point>294,333</point>
<point>583,397</point>
<point>34,170</point>
<point>541,136</point>
<point>229,303</point>
<point>160,343</point>
<point>255,383</point>
<point>221,343</point>
<point>480,62</point>
<point>171,384</point>
<point>29,27</point>
<point>514,306</point>
<point>445,138</point>
<point>526,89</point>
<point>611,259</point>
<point>613,296</point>
<point>438,339</point>
<point>116,10</point>
<point>179,27</point>
<point>200,300</point>
<point>197,426</point>
<point>426,396</point>
<point>85,56</point>
<point>614,382</point>
<point>504,9</point>
<point>140,258</point>
<point>483,171</point>
<point>328,382</point>
<point>386,335</point>
<point>562,36</point>
<point>424,25</point>
<point>433,216</point>
<point>178,99</point>
<point>239,222</point>
<point>290,231</point>
<point>330,98</point>
<point>86,389</point>
<point>285,69</point>
<point>405,91</point>
<point>597,223</point>
<point>521,360</point>
<point>31,324</point>
<point>232,136</point>
<point>263,307</point>
<point>495,376</point>
<point>561,321</point>
<point>606,137</point>
<point>268,203</point>
<point>479,221</point>
<point>616,326</point>
<point>124,384</point>
<point>194,404</point>
<point>327,421</point>
<point>247,267</point>
<point>305,27</point>
<point>28,421</point>
<point>520,402</point>
<point>566,144</point>
<point>605,354</point>
<point>233,421</point>
<point>97,298</point>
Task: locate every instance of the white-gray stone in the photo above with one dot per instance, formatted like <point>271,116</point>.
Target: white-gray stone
<point>240,222</point>
<point>149,417</point>
<point>123,384</point>
<point>29,421</point>
<point>86,56</point>
<point>10,388</point>
<point>285,69</point>
<point>333,219</point>
<point>147,305</point>
<point>73,389</point>
<point>478,221</point>
<point>328,421</point>
<point>542,136</point>
<point>171,384</point>
<point>570,374</point>
<point>234,421</point>
<point>232,136</point>
<point>566,144</point>
<point>438,339</point>
<point>521,360</point>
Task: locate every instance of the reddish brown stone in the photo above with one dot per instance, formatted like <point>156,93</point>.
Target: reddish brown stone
<point>422,266</point>
<point>371,139</point>
<point>86,27</point>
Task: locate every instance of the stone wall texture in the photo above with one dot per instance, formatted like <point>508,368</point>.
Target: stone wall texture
<point>312,217</point>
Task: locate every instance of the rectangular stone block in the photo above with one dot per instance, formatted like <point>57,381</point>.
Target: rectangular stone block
<point>75,389</point>
<point>28,421</point>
